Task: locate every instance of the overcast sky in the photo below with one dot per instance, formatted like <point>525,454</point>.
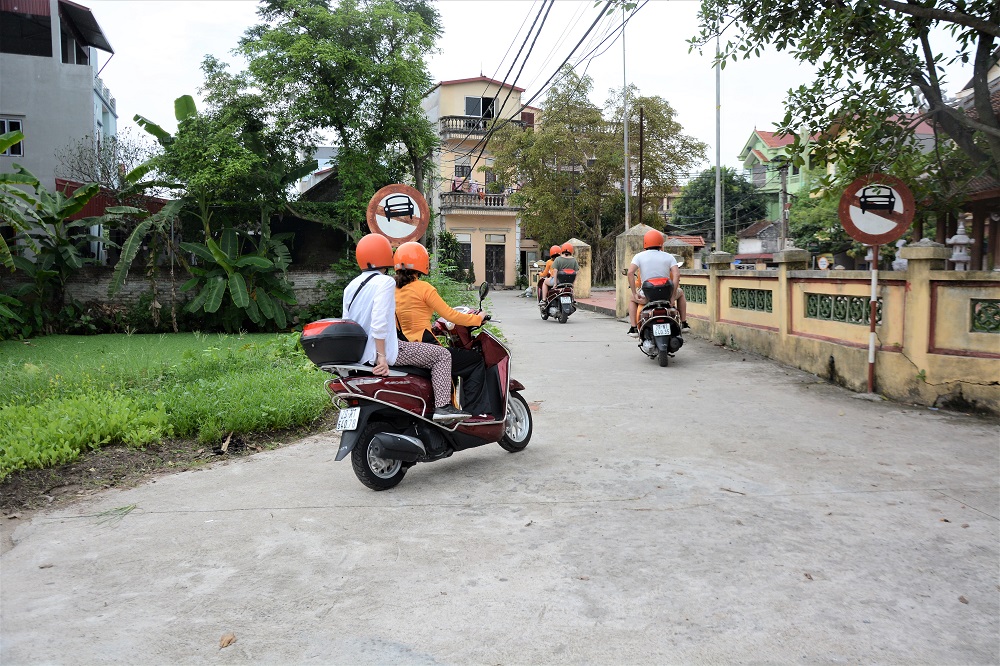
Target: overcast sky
<point>159,46</point>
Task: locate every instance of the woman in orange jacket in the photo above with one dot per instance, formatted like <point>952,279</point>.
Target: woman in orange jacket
<point>416,302</point>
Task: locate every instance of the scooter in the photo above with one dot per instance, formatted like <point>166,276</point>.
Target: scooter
<point>386,423</point>
<point>560,301</point>
<point>659,323</point>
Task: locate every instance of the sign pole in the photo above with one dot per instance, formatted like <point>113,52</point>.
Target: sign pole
<point>872,310</point>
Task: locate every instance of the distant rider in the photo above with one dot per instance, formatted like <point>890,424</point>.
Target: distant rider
<point>566,260</point>
<point>554,253</point>
<point>652,263</point>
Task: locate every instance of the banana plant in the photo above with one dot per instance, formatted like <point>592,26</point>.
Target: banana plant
<point>251,268</point>
<point>41,219</point>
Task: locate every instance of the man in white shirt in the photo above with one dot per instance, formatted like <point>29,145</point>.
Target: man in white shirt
<point>370,300</point>
<point>651,263</point>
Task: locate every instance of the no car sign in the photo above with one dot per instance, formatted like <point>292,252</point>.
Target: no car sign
<point>398,212</point>
<point>876,209</point>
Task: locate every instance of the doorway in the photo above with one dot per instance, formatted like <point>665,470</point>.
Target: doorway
<point>495,263</point>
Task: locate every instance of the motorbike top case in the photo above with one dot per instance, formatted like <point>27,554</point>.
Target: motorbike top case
<point>565,276</point>
<point>330,341</point>
<point>657,289</point>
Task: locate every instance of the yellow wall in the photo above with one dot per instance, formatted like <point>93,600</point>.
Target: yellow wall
<point>925,351</point>
<point>478,226</point>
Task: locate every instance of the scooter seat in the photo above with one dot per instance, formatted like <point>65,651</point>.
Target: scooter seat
<point>412,370</point>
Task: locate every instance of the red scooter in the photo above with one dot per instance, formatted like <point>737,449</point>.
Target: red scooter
<point>560,301</point>
<point>659,322</point>
<point>386,423</point>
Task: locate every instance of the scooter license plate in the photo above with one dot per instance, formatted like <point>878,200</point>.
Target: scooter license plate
<point>661,329</point>
<point>565,300</point>
<point>348,419</point>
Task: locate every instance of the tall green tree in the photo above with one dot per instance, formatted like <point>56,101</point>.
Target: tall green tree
<point>357,70</point>
<point>667,154</point>
<point>875,60</point>
<point>694,212</point>
<point>569,169</point>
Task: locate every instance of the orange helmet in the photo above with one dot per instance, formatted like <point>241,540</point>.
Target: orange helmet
<point>652,239</point>
<point>567,247</point>
<point>374,251</point>
<point>412,256</point>
<point>555,251</point>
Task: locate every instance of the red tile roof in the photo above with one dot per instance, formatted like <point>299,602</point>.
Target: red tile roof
<point>696,241</point>
<point>775,140</point>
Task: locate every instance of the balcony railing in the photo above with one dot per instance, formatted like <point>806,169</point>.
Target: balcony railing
<point>452,126</point>
<point>495,202</point>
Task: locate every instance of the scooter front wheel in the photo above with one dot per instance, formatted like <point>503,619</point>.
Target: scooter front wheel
<point>545,313</point>
<point>376,473</point>
<point>517,427</point>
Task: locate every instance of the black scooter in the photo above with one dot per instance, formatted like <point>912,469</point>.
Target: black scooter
<point>659,323</point>
<point>560,302</point>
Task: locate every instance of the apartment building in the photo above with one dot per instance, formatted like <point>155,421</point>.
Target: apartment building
<point>465,197</point>
<point>49,88</point>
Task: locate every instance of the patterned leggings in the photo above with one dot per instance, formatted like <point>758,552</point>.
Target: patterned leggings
<point>435,357</point>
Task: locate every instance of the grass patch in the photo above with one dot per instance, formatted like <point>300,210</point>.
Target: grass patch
<point>63,395</point>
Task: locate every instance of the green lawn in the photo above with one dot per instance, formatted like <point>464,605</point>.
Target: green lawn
<point>61,395</point>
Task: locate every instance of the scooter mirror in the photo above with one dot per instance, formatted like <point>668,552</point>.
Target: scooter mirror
<point>484,289</point>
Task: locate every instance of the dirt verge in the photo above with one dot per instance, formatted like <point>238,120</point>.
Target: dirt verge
<point>26,492</point>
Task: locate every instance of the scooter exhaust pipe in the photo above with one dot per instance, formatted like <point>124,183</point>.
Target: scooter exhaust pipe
<point>397,447</point>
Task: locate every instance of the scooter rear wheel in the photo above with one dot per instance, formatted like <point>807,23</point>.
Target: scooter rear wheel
<point>663,358</point>
<point>374,472</point>
<point>517,429</point>
<point>563,317</point>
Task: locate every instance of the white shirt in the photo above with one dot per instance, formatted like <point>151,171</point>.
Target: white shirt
<point>374,310</point>
<point>654,264</point>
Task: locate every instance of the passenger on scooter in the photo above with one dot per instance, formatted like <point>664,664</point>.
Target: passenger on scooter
<point>563,262</point>
<point>651,263</point>
<point>370,300</point>
<point>554,253</point>
<point>416,302</point>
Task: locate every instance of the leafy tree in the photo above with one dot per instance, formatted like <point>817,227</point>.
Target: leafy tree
<point>569,168</point>
<point>813,223</point>
<point>106,161</point>
<point>874,61</point>
<point>694,212</point>
<point>228,160</point>
<point>357,70</point>
<point>667,153</point>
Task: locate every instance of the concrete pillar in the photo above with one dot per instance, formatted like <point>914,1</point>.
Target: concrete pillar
<point>788,260</point>
<point>921,259</point>
<point>717,261</point>
<point>581,288</point>
<point>683,252</point>
<point>627,245</point>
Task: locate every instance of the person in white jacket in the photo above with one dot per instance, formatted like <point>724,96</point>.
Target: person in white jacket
<point>370,300</point>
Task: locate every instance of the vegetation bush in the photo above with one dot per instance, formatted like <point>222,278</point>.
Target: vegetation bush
<point>63,395</point>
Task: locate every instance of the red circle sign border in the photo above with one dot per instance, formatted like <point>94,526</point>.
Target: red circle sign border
<point>399,188</point>
<point>843,209</point>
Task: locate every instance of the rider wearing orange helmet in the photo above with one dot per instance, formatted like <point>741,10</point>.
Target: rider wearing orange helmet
<point>416,302</point>
<point>554,253</point>
<point>566,260</point>
<point>370,300</point>
<point>651,263</point>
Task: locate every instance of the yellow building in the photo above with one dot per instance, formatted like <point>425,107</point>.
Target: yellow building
<point>464,196</point>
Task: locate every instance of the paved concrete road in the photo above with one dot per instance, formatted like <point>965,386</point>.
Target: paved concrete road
<point>722,510</point>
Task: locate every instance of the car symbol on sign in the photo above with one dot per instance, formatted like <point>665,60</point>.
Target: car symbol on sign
<point>398,205</point>
<point>877,197</point>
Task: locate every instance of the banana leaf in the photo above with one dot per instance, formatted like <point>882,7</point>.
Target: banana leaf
<point>238,290</point>
<point>216,287</point>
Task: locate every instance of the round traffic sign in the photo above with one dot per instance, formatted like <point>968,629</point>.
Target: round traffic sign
<point>398,212</point>
<point>876,209</point>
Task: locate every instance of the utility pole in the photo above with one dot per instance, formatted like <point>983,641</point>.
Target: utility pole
<point>783,219</point>
<point>627,182</point>
<point>641,125</point>
<point>718,149</point>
